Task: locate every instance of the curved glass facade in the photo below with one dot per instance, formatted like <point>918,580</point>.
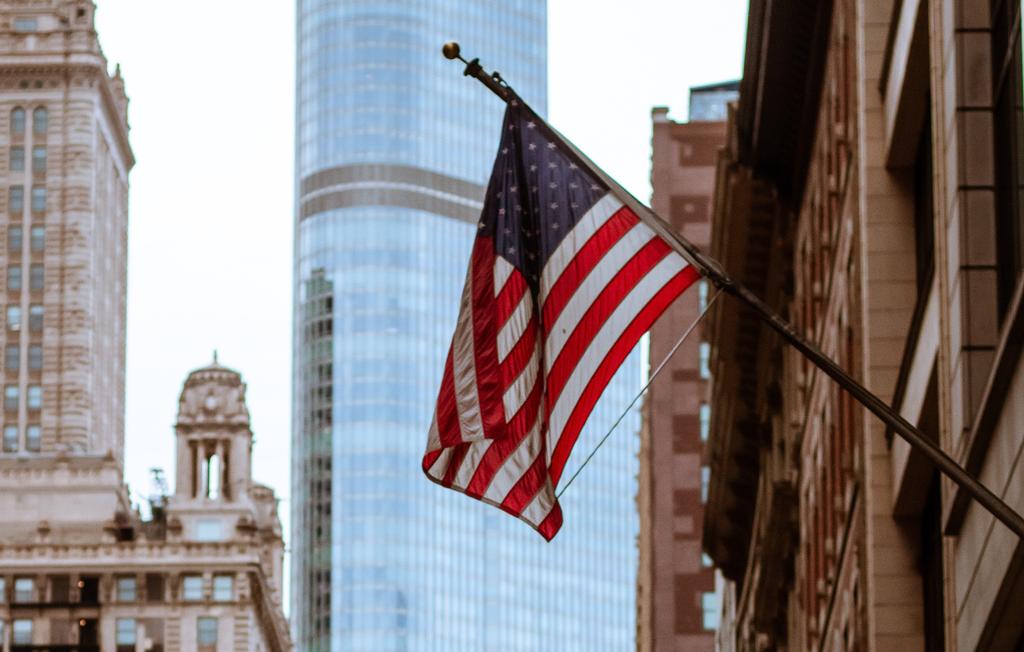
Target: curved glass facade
<point>393,149</point>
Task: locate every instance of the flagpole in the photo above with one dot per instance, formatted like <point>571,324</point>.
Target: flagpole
<point>710,268</point>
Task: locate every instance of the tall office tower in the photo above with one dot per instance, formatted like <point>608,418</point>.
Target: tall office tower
<point>394,147</point>
<point>677,608</point>
<point>65,223</point>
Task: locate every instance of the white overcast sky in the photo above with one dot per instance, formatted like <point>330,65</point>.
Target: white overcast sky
<point>212,90</point>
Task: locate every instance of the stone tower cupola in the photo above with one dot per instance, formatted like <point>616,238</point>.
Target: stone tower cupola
<point>214,441</point>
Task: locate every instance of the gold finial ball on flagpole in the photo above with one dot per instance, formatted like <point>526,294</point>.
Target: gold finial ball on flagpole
<point>451,50</point>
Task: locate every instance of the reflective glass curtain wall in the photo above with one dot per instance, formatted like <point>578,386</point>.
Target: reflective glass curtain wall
<point>393,148</point>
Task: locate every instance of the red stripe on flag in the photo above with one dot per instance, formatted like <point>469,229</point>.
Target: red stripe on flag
<point>603,306</point>
<point>588,256</point>
<point>520,355</point>
<point>630,336</point>
<point>511,294</point>
<point>527,486</point>
<point>550,526</point>
<point>429,458</point>
<point>485,341</point>
<point>458,454</point>
<point>495,457</point>
<point>447,414</point>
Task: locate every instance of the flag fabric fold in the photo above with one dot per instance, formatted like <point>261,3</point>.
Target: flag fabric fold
<point>564,279</point>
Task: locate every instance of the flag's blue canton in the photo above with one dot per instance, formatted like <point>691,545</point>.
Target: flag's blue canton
<point>536,194</point>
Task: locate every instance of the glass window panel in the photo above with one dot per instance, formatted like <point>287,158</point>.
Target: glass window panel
<point>705,480</point>
<point>35,318</point>
<point>38,199</point>
<point>40,120</point>
<point>36,276</point>
<point>14,239</point>
<point>17,159</point>
<point>709,609</point>
<point>35,397</point>
<point>38,238</point>
<point>25,24</point>
<point>223,588</point>
<point>39,159</point>
<point>35,356</point>
<point>11,397</point>
<point>192,588</point>
<point>126,589</point>
<point>24,589</point>
<point>10,439</point>
<point>18,121</point>
<point>206,631</point>
<point>12,357</point>
<point>705,356</point>
<point>33,439</point>
<point>126,631</point>
<point>13,317</point>
<point>14,277</point>
<point>16,199</point>
<point>705,421</point>
<point>3,598</point>
<point>22,632</point>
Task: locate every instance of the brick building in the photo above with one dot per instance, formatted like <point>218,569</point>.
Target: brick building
<point>676,607</point>
<point>869,192</point>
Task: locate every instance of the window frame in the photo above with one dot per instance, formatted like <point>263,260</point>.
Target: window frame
<point>197,581</point>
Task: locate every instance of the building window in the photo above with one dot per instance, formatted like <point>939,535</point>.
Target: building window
<point>24,589</point>
<point>223,588</point>
<point>709,610</point>
<point>35,318</point>
<point>16,199</point>
<point>22,632</point>
<point>36,276</point>
<point>40,120</point>
<point>25,24</point>
<point>154,587</point>
<point>13,318</point>
<point>39,159</point>
<point>705,360</point>
<point>35,397</point>
<point>125,634</point>
<point>11,398</point>
<point>18,121</point>
<point>705,421</point>
<point>14,277</point>
<point>12,357</point>
<point>206,632</point>
<point>192,588</point>
<point>10,439</point>
<point>38,238</point>
<point>33,439</point>
<point>705,560</point>
<point>705,480</point>
<point>38,199</point>
<point>3,599</point>
<point>126,589</point>
<point>35,356</point>
<point>702,294</point>
<point>14,239</point>
<point>17,159</point>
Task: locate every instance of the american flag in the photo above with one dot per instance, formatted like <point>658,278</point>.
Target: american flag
<point>563,281</point>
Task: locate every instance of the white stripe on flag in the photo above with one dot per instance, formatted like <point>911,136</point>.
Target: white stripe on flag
<point>516,325</point>
<point>540,506</point>
<point>514,466</point>
<point>606,338</point>
<point>502,270</point>
<point>467,398</point>
<point>575,239</point>
<point>470,462</point>
<point>588,291</point>
<point>521,387</point>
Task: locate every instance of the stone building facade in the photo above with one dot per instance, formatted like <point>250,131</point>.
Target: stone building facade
<point>64,229</point>
<point>676,608</point>
<point>79,570</point>
<point>869,192</point>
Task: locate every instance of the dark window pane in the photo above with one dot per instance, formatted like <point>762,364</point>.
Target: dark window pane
<point>38,238</point>
<point>10,439</point>
<point>14,277</point>
<point>36,277</point>
<point>38,199</point>
<point>14,236</point>
<point>16,199</point>
<point>33,439</point>
<point>35,356</point>
<point>17,159</point>
<point>35,318</point>
<point>18,121</point>
<point>38,159</point>
<point>40,120</point>
<point>12,357</point>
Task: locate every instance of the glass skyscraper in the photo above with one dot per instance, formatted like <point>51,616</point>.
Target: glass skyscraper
<point>393,148</point>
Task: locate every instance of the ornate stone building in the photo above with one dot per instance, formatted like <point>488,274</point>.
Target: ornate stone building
<point>676,608</point>
<point>79,569</point>
<point>870,192</point>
